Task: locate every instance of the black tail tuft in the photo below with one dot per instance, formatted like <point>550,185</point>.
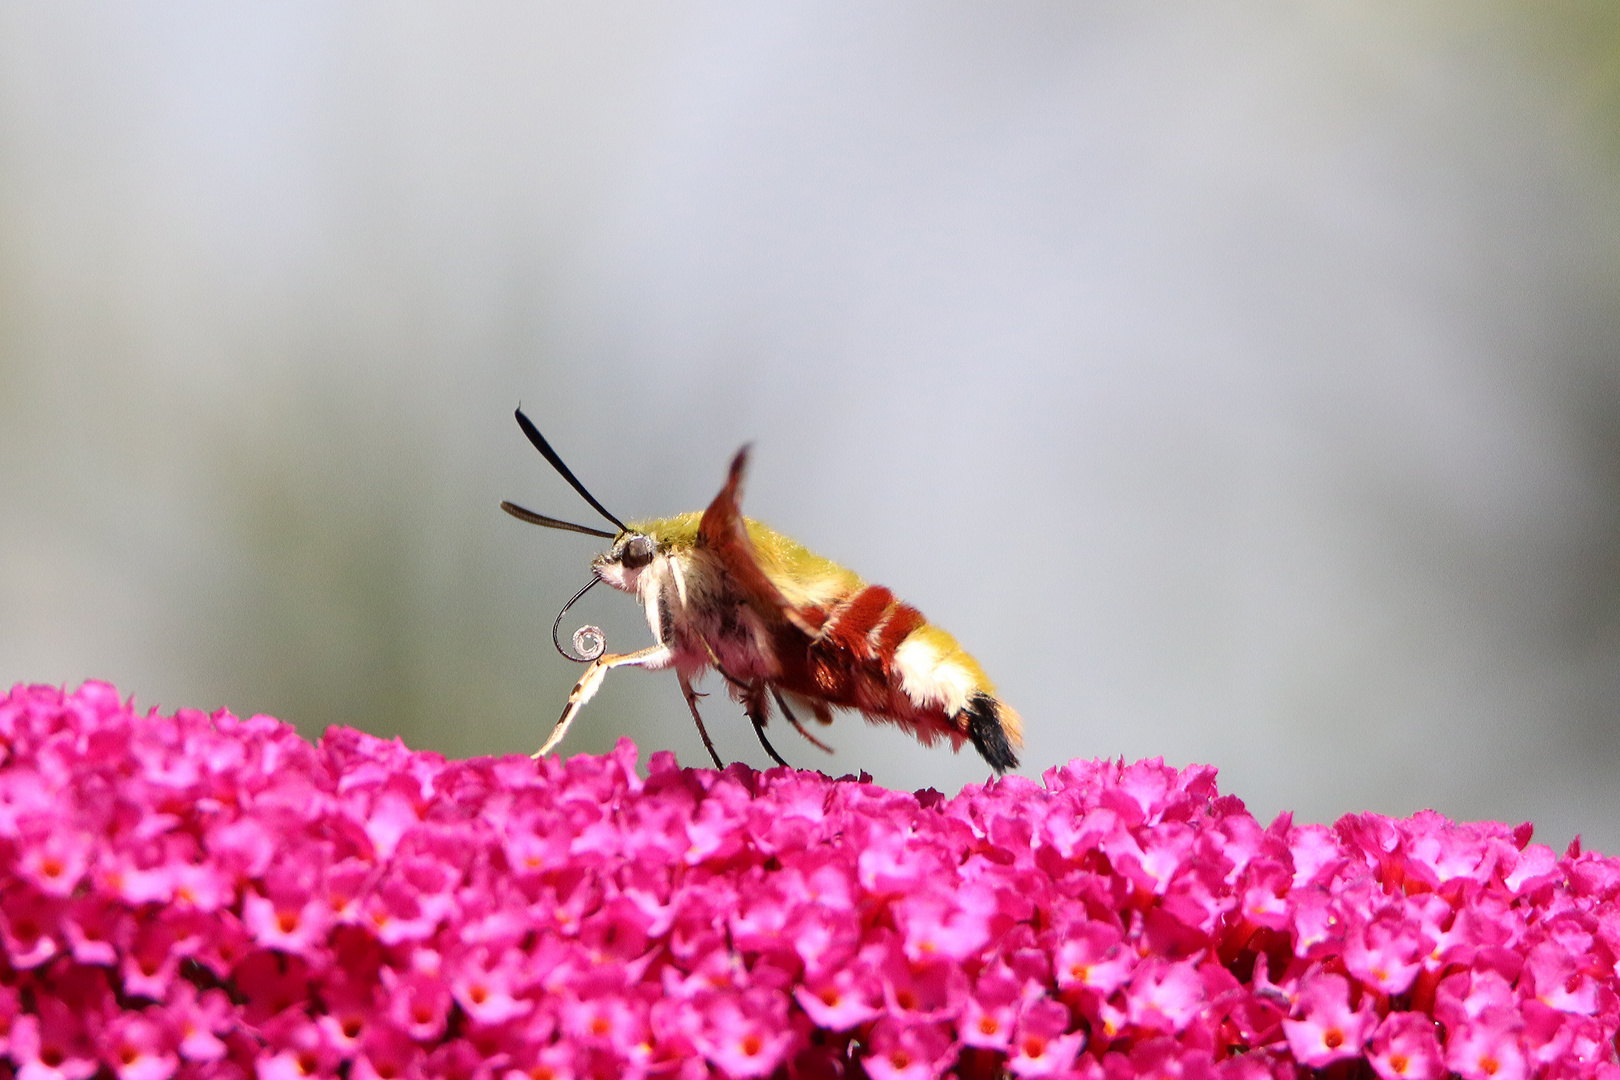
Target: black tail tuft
<point>987,733</point>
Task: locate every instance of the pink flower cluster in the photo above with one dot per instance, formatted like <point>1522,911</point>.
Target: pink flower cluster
<point>205,896</point>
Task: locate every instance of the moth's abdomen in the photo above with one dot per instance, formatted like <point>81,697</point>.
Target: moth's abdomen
<point>996,731</point>
<point>879,655</point>
<point>935,672</point>
<point>873,624</point>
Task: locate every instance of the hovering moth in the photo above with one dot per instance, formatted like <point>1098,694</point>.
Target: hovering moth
<point>780,624</point>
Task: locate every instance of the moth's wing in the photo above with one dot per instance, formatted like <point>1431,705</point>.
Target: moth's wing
<point>724,534</point>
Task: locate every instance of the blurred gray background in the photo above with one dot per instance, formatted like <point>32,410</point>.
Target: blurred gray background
<point>1239,383</point>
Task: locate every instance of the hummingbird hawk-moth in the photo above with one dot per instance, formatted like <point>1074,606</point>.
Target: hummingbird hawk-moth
<point>779,623</point>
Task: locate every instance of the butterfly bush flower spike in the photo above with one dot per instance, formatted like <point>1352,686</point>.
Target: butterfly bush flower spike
<point>206,896</point>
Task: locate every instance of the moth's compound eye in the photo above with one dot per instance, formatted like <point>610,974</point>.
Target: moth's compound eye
<point>638,551</point>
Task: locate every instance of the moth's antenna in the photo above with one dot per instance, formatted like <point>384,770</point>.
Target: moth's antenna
<point>550,455</point>
<point>550,522</point>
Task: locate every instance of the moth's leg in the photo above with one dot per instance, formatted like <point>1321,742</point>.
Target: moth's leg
<point>691,703</point>
<point>721,668</point>
<point>781,703</point>
<point>754,705</point>
<point>591,681</point>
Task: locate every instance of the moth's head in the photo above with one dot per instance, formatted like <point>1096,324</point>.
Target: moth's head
<point>621,565</point>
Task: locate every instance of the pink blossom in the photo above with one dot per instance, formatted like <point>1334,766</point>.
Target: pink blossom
<point>490,990</point>
<point>1165,996</point>
<point>1043,1044</point>
<point>199,1020</point>
<point>991,1011</point>
<point>54,862</point>
<point>842,999</point>
<point>296,924</point>
<point>1386,951</point>
<point>746,1034</point>
<point>52,1044</point>
<point>197,895</point>
<point>416,1002</point>
<point>1405,1048</point>
<point>1094,955</point>
<point>930,990</point>
<point>386,1054</point>
<point>1484,1050</point>
<point>907,1051</point>
<point>28,922</point>
<point>955,927</point>
<point>610,1021</point>
<point>140,1048</point>
<point>1328,1030</point>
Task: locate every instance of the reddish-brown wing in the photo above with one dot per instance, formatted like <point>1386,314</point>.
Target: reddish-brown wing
<point>841,655</point>
<point>723,533</point>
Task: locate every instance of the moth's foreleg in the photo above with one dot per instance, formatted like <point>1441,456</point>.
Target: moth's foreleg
<point>781,703</point>
<point>591,681</point>
<point>691,703</point>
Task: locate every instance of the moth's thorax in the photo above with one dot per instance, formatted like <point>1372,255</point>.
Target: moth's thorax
<point>693,606</point>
